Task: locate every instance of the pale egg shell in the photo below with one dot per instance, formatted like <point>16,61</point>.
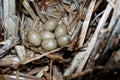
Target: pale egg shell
<point>49,44</point>
<point>34,38</point>
<point>60,30</point>
<point>47,35</point>
<point>50,25</point>
<point>63,40</point>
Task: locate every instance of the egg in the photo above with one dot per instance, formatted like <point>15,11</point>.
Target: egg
<point>50,25</point>
<point>34,38</point>
<point>60,30</point>
<point>49,44</point>
<point>47,35</point>
<point>63,40</point>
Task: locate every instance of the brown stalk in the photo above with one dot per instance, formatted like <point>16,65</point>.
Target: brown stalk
<point>40,56</point>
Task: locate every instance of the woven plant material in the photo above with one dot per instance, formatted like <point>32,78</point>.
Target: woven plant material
<point>59,40</point>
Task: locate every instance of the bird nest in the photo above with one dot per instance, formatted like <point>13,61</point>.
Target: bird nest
<point>89,49</point>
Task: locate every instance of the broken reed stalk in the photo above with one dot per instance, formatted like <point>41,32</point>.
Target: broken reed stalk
<point>94,38</point>
<point>10,25</point>
<point>86,23</point>
<point>81,41</point>
<point>104,37</point>
<point>12,36</point>
<point>29,9</point>
<point>113,26</point>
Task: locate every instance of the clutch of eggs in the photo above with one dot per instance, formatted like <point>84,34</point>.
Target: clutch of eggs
<point>54,35</point>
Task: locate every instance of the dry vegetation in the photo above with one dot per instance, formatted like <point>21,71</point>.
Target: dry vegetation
<point>93,52</point>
